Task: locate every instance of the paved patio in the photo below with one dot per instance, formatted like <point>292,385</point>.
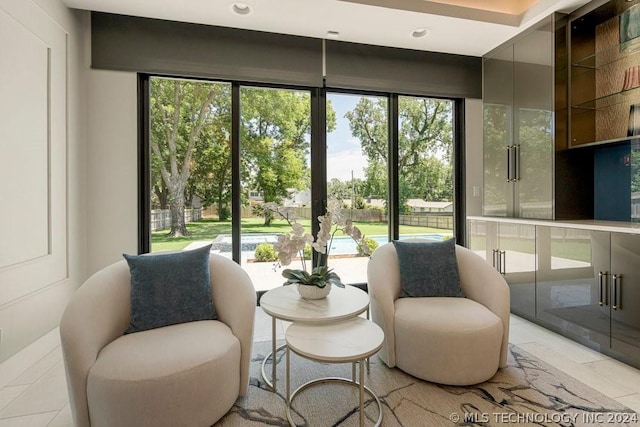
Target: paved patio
<point>268,275</point>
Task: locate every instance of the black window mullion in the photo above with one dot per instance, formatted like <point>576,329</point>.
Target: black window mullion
<point>459,223</point>
<point>236,200</point>
<point>393,210</point>
<point>144,165</point>
<point>318,159</point>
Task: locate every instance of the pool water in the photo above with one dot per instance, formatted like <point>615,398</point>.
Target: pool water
<point>345,245</point>
<point>341,245</point>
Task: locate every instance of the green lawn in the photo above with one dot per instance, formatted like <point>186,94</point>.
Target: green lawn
<point>208,229</point>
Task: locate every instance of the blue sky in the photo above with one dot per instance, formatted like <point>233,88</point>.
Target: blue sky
<point>343,150</point>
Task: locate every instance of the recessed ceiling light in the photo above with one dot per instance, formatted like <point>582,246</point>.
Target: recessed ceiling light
<point>420,32</point>
<point>333,34</point>
<point>241,8</point>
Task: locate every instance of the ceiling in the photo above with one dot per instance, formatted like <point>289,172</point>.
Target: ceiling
<point>466,27</point>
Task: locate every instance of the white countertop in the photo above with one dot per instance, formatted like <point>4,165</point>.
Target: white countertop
<point>587,224</point>
<point>285,303</point>
<point>336,342</point>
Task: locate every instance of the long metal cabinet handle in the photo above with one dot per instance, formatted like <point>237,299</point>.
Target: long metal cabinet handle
<point>509,163</point>
<point>617,303</point>
<point>516,163</point>
<point>603,298</point>
<point>503,262</point>
<point>493,259</point>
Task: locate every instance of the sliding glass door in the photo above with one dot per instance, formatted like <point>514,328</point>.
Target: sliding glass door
<point>357,177</point>
<point>231,165</point>
<point>189,163</point>
<point>425,168</point>
<point>275,127</point>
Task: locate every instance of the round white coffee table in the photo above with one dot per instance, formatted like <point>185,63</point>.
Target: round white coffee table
<point>285,303</point>
<point>348,341</point>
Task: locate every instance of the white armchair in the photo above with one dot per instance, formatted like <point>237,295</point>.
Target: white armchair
<point>188,374</point>
<point>456,341</point>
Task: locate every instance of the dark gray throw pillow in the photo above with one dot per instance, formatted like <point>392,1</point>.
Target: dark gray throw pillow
<point>169,288</point>
<point>428,269</point>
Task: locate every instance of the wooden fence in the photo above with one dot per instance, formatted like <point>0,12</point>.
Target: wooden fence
<point>444,221</point>
<point>161,218</point>
<point>433,221</point>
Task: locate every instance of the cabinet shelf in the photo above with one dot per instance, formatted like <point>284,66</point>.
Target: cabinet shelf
<point>633,139</point>
<point>606,101</point>
<point>609,55</point>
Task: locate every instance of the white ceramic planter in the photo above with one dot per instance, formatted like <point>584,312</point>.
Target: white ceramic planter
<point>313,292</point>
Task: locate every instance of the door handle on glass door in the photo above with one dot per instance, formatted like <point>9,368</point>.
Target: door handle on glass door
<point>509,163</point>
<point>503,262</point>
<point>617,297</point>
<point>603,297</point>
<point>516,163</point>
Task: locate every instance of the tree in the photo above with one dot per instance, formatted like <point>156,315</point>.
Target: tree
<point>180,110</point>
<point>275,141</point>
<point>424,134</point>
<point>337,189</point>
<point>211,167</point>
<point>376,178</point>
<point>344,190</point>
<point>211,173</point>
<point>160,193</point>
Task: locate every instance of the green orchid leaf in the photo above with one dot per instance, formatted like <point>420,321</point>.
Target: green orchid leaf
<point>334,279</point>
<point>291,274</point>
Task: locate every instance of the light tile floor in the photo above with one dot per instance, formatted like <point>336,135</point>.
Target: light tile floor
<point>37,396</point>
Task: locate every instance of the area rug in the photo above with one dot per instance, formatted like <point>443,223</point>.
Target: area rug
<point>527,392</point>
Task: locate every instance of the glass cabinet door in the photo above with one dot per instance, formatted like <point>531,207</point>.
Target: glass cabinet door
<point>625,296</point>
<point>498,131</point>
<point>482,238</point>
<point>533,135</point>
<point>572,283</point>
<point>517,262</point>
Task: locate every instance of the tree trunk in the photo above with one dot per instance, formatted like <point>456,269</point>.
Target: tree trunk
<point>268,216</point>
<point>163,196</point>
<point>222,212</point>
<point>176,205</point>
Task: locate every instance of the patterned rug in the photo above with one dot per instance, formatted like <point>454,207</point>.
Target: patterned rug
<point>527,392</point>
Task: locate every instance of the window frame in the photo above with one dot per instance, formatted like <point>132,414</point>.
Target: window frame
<point>318,97</point>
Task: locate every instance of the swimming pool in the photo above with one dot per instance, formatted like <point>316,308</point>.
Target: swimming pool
<point>344,245</point>
<point>341,245</point>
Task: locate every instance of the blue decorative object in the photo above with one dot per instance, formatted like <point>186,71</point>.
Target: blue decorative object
<point>428,269</point>
<point>630,28</point>
<point>170,288</point>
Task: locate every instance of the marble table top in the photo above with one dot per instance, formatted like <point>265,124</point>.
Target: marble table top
<point>342,303</point>
<point>336,342</point>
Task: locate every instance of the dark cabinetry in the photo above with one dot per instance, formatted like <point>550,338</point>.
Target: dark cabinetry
<point>518,96</point>
<point>511,249</point>
<point>588,288</point>
<point>572,281</point>
<point>582,283</point>
<point>625,296</point>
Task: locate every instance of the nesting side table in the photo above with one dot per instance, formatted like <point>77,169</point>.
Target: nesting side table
<point>285,303</point>
<point>350,341</point>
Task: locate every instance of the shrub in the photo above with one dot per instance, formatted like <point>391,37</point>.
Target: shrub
<point>265,253</point>
<point>307,252</point>
<point>372,246</point>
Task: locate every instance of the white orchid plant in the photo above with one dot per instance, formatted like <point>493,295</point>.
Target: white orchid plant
<point>292,244</point>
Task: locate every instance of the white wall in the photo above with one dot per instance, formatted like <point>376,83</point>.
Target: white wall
<point>43,183</point>
<point>474,157</point>
<point>112,167</point>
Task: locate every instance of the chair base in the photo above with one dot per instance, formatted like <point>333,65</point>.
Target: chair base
<point>453,341</point>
